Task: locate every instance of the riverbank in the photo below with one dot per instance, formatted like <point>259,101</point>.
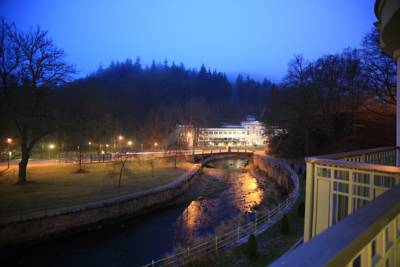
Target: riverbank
<point>55,185</point>
<point>45,224</point>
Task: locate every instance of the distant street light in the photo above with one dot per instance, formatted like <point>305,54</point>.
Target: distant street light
<point>89,143</point>
<point>120,137</point>
<point>130,143</point>
<point>9,141</point>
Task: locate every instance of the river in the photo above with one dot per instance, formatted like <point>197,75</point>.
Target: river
<point>213,203</point>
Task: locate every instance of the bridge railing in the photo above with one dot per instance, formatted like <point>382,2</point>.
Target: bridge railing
<point>210,247</point>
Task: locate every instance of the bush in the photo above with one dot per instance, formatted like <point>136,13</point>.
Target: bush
<point>285,230</point>
<point>301,209</point>
<point>251,249</point>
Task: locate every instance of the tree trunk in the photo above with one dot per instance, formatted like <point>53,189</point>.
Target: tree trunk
<point>23,164</point>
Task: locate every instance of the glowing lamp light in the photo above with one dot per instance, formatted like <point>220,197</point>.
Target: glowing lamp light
<point>189,135</point>
<point>103,152</point>
<point>9,140</point>
<point>120,137</point>
<point>52,146</point>
<point>89,143</point>
<point>129,143</point>
<point>155,144</point>
<point>107,145</point>
<point>10,153</point>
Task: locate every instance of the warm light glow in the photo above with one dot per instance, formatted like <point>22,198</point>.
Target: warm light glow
<point>107,145</point>
<point>189,135</point>
<point>10,153</point>
<point>52,146</point>
<point>249,195</point>
<point>191,217</point>
<point>89,143</point>
<point>103,152</point>
<point>129,143</point>
<point>120,137</point>
<point>9,141</point>
<point>155,144</point>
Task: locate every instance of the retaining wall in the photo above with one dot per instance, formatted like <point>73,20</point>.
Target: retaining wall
<point>274,168</point>
<point>48,223</point>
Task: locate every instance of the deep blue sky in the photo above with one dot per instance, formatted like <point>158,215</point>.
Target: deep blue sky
<point>258,37</point>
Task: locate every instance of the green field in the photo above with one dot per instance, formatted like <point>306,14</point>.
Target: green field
<point>58,185</point>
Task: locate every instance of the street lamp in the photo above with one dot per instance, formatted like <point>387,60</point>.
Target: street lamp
<point>155,145</point>
<point>51,147</point>
<point>102,154</point>
<point>129,143</point>
<point>9,157</point>
<point>9,141</point>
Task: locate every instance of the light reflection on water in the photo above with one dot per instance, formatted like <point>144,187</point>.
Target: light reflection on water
<point>202,217</point>
<point>248,194</point>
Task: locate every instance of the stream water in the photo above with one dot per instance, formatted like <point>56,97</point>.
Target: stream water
<point>216,199</point>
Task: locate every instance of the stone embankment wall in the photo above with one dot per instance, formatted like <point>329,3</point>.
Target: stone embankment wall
<point>49,223</point>
<point>274,168</point>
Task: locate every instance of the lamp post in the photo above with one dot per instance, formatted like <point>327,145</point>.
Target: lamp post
<point>51,147</point>
<point>102,154</point>
<point>9,153</point>
<point>90,152</point>
<point>130,144</point>
<point>120,138</point>
<point>9,157</point>
<point>80,158</point>
<point>155,145</point>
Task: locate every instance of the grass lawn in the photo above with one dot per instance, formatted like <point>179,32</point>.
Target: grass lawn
<point>58,185</point>
<point>271,244</point>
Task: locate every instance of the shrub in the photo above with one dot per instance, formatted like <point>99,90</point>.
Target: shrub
<point>285,230</point>
<point>251,249</point>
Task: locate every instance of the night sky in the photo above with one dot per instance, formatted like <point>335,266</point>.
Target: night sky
<point>256,37</point>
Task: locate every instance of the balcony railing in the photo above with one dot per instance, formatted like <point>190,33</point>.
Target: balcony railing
<point>338,186</point>
<point>368,237</point>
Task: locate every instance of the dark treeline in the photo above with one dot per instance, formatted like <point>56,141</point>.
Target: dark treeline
<point>337,102</point>
<point>146,103</point>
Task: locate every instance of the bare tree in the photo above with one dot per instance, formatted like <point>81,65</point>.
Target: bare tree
<point>380,69</point>
<point>31,66</point>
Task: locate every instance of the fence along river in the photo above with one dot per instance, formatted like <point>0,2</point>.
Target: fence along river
<point>213,204</point>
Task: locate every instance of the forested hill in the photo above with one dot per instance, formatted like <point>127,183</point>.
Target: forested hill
<point>148,101</point>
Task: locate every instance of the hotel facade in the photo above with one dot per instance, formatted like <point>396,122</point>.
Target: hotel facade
<point>250,133</point>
